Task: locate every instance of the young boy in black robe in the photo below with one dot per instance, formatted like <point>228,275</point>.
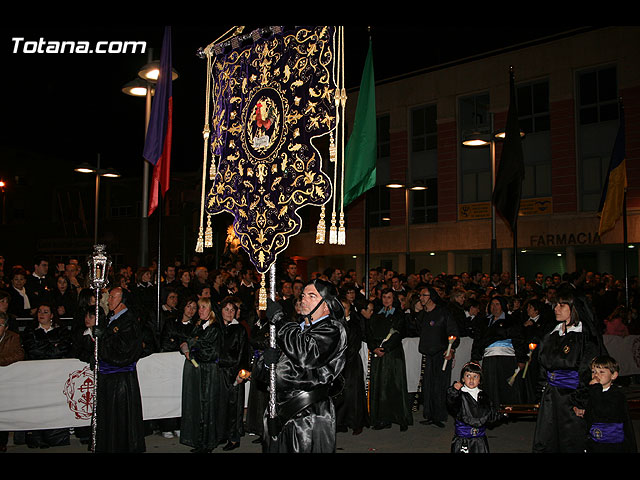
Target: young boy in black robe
<point>473,411</point>
<point>605,409</point>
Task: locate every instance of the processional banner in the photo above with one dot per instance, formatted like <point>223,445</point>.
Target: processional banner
<point>271,101</point>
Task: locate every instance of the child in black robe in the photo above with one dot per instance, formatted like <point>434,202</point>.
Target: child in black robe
<point>606,411</point>
<point>472,410</point>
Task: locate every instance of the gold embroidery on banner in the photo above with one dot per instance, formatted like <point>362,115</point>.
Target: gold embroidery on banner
<point>258,116</point>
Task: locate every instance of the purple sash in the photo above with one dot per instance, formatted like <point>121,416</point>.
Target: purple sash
<point>104,367</point>
<point>607,432</point>
<point>563,378</point>
<point>467,431</point>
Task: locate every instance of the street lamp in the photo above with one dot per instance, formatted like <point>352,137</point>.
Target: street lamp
<point>407,189</point>
<point>98,172</point>
<point>136,88</point>
<point>143,86</point>
<point>151,71</point>
<point>482,139</point>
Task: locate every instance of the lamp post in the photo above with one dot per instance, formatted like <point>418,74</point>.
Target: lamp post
<point>407,189</point>
<point>142,86</point>
<point>483,139</point>
<point>98,172</point>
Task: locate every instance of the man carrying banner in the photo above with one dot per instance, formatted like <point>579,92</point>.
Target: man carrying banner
<point>308,359</point>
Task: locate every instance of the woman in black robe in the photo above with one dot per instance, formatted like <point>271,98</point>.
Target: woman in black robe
<point>538,323</point>
<point>234,369</point>
<point>499,345</point>
<point>65,298</point>
<point>565,356</point>
<point>45,339</point>
<point>258,398</point>
<point>388,395</point>
<point>351,405</point>
<point>201,382</point>
<point>175,331</point>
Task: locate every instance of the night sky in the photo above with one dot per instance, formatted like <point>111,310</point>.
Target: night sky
<point>71,105</point>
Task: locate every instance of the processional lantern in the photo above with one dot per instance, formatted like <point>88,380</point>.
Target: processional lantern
<point>99,264</point>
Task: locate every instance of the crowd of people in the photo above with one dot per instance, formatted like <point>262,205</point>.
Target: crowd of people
<point>210,314</point>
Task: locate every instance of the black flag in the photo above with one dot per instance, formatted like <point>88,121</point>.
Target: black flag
<point>508,188</point>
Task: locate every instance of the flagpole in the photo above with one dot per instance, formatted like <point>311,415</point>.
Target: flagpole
<point>159,276</point>
<point>515,257</point>
<point>625,248</point>
<point>366,245</point>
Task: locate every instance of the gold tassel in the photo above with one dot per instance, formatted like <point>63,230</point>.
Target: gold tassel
<point>208,235</point>
<point>262,295</point>
<point>322,228</point>
<point>199,244</point>
<point>333,231</point>
<point>341,231</point>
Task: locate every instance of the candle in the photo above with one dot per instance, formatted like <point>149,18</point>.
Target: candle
<point>532,347</point>
<point>244,374</point>
<point>451,340</point>
<point>513,377</point>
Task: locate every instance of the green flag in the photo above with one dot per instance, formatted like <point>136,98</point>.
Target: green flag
<point>361,150</point>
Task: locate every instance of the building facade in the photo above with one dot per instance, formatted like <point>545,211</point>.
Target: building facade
<point>568,92</point>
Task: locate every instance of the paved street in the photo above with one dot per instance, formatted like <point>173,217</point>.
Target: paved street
<point>515,435</point>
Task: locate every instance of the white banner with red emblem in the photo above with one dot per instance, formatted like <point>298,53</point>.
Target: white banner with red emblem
<point>40,394</point>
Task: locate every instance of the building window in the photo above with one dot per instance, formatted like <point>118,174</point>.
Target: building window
<point>424,129</point>
<point>533,107</point>
<point>423,167</point>
<point>475,163</point>
<point>597,114</point>
<point>533,117</point>
<point>122,211</point>
<point>379,206</point>
<point>424,203</point>
<point>383,137</point>
<point>598,96</point>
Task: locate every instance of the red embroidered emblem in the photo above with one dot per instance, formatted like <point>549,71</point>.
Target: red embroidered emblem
<point>79,392</point>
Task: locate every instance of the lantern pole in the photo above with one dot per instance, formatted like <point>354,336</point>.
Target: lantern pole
<point>99,264</point>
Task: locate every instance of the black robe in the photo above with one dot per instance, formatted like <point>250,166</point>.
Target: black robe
<point>351,404</point>
<point>310,359</point>
<point>606,407</point>
<point>434,329</point>
<point>201,388</point>
<point>234,356</point>
<point>529,383</point>
<point>497,369</point>
<point>258,395</point>
<point>469,412</point>
<point>39,344</point>
<point>558,428</point>
<point>120,427</point>
<point>174,332</point>
<point>388,395</point>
